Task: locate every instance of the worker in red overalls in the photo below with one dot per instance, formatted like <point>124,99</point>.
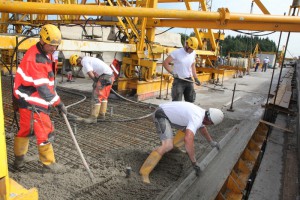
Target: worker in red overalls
<point>35,93</point>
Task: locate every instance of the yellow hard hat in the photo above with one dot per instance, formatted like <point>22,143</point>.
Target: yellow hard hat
<point>50,34</point>
<point>73,59</point>
<point>192,42</point>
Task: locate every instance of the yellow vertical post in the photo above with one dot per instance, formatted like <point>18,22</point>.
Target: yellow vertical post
<point>4,179</point>
<point>3,25</point>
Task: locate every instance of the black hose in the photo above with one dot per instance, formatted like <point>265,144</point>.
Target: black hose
<point>10,71</point>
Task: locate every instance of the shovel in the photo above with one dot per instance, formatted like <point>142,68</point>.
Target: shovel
<point>78,148</point>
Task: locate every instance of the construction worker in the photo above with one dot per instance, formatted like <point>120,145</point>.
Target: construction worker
<point>265,64</point>
<point>103,78</point>
<point>184,71</point>
<point>35,93</point>
<point>257,63</point>
<point>188,118</point>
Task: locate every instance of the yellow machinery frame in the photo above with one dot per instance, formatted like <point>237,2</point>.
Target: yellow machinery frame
<point>9,189</point>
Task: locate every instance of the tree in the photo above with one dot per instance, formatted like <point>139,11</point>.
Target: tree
<point>246,44</point>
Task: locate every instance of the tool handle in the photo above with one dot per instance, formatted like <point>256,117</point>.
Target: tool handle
<point>186,80</point>
<point>78,148</point>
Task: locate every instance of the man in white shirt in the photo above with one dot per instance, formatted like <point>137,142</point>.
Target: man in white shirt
<point>265,64</point>
<point>188,118</point>
<point>184,68</point>
<point>103,78</point>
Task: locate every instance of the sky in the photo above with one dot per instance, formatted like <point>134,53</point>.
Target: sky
<point>275,7</point>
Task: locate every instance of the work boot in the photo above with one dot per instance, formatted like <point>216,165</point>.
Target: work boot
<point>102,116</point>
<point>54,168</point>
<point>47,158</point>
<point>95,109</point>
<point>103,109</point>
<point>20,149</point>
<point>149,165</point>
<point>19,162</point>
<point>90,120</point>
<point>178,140</point>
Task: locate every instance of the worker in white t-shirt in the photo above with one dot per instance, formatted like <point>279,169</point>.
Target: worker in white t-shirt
<point>103,78</point>
<point>187,118</point>
<point>184,71</point>
<point>265,64</point>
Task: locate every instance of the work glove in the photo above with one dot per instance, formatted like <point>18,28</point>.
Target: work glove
<point>197,82</point>
<point>196,168</point>
<point>174,75</point>
<point>61,108</point>
<point>95,80</point>
<point>215,144</point>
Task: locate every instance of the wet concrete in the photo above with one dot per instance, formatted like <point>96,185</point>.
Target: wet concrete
<point>111,147</point>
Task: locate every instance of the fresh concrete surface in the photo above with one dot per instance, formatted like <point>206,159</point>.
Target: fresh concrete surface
<point>251,94</point>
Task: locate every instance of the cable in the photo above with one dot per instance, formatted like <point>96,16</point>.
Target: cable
<point>165,31</point>
<point>126,120</point>
<point>78,102</point>
<point>11,66</point>
<point>129,100</point>
<point>78,118</point>
<point>255,32</point>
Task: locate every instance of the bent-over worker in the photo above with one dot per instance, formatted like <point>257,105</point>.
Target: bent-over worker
<point>103,78</point>
<point>184,68</point>
<point>188,118</point>
<point>35,93</point>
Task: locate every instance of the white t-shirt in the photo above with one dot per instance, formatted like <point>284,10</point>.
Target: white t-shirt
<point>55,55</point>
<point>266,60</point>
<point>96,65</point>
<point>184,114</point>
<point>183,62</point>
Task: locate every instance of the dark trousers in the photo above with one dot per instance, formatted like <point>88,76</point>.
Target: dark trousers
<point>183,88</point>
<point>264,67</point>
<point>256,67</point>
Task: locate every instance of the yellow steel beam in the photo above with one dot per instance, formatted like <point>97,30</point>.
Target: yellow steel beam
<point>63,9</point>
<point>9,42</point>
<point>210,32</point>
<point>220,36</point>
<point>124,28</point>
<point>213,20</point>
<point>262,7</point>
<point>175,1</point>
<point>188,7</point>
<point>231,25</point>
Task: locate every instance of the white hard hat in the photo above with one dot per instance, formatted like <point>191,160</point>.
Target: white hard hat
<point>216,115</point>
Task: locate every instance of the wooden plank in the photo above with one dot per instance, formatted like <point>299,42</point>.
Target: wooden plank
<point>285,100</point>
<point>276,126</point>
